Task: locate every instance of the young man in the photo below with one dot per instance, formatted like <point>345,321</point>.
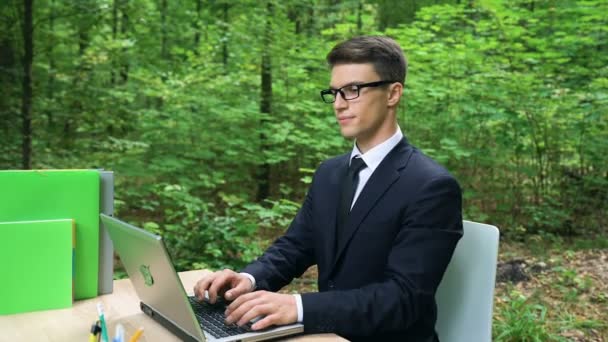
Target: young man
<point>381,222</point>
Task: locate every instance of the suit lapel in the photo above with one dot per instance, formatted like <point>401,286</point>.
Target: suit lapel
<point>332,206</point>
<point>385,175</point>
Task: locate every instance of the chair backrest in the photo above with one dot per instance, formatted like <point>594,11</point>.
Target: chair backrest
<point>465,296</point>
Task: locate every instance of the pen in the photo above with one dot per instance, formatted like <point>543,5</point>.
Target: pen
<point>137,334</point>
<point>120,333</point>
<point>102,319</point>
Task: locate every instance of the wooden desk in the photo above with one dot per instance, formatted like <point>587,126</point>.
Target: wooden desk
<point>73,324</point>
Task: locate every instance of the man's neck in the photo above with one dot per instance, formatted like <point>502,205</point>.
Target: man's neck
<point>365,144</point>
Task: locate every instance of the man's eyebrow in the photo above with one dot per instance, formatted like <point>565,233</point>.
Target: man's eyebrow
<point>347,84</point>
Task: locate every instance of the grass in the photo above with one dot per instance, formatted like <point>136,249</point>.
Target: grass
<point>565,302</point>
<point>521,319</point>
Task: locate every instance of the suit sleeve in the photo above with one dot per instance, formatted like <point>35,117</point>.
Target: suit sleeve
<point>289,256</point>
<point>429,229</point>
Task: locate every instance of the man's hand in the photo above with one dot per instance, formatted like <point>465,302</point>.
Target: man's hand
<point>225,283</point>
<point>275,308</point>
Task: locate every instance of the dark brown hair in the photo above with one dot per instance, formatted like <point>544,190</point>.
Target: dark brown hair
<point>383,52</point>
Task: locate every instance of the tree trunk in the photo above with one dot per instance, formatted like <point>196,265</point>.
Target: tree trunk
<point>81,74</point>
<point>26,107</point>
<point>164,52</point>
<point>51,81</point>
<point>225,40</point>
<point>197,26</point>
<point>124,26</point>
<point>311,21</point>
<point>163,23</point>
<point>263,178</point>
<point>294,13</point>
<point>114,37</point>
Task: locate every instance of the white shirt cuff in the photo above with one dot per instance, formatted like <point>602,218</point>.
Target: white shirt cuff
<point>300,307</point>
<point>250,278</point>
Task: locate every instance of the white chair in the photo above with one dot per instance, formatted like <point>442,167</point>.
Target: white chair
<point>465,295</point>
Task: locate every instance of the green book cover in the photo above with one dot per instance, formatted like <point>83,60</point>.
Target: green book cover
<point>57,194</point>
<point>37,266</point>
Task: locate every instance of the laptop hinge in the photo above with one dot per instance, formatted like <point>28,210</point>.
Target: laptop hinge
<point>183,335</point>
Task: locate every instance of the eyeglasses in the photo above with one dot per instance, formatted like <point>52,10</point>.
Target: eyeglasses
<point>349,92</point>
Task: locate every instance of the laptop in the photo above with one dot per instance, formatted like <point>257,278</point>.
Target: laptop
<point>162,294</point>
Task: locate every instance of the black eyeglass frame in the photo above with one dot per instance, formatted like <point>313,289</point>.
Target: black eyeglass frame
<point>335,92</point>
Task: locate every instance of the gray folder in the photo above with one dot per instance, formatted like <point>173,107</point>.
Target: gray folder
<point>106,249</point>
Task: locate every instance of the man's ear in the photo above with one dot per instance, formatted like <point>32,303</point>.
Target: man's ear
<point>394,94</point>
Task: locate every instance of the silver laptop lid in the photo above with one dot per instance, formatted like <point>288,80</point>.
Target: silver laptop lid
<point>145,259</point>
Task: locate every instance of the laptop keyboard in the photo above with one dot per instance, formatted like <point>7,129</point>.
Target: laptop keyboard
<point>212,320</point>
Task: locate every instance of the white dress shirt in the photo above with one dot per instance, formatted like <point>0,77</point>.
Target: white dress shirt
<point>372,159</point>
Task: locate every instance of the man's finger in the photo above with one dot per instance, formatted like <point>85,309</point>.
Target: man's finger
<point>236,313</point>
<point>242,299</point>
<point>201,286</point>
<point>222,282</point>
<point>257,311</point>
<point>242,287</point>
<point>216,286</point>
<point>266,322</point>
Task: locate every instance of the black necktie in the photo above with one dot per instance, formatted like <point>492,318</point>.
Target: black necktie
<point>347,192</point>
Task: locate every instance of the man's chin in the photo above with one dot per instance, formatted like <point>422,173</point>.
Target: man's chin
<point>347,134</point>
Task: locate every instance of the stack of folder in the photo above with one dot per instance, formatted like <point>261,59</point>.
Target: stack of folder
<point>49,238</point>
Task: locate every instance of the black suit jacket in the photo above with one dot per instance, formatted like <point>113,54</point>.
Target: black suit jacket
<point>380,282</point>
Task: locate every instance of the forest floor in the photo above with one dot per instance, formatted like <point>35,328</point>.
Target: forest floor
<point>545,291</point>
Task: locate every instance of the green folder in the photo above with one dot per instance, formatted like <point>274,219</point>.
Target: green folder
<point>57,194</point>
<point>37,265</point>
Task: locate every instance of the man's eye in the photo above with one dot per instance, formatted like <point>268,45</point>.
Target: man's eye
<point>350,89</point>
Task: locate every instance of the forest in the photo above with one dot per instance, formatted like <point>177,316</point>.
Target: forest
<point>209,114</point>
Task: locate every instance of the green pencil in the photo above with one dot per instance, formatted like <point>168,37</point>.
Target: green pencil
<point>102,319</point>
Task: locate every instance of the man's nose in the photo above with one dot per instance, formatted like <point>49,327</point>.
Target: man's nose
<point>340,102</point>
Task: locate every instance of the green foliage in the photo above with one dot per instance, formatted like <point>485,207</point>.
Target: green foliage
<point>509,109</point>
<point>598,242</point>
<point>119,274</point>
<point>277,216</point>
<point>195,235</point>
<point>571,321</point>
<point>571,284</point>
<point>522,320</point>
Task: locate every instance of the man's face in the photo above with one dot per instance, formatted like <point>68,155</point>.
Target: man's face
<point>365,118</point>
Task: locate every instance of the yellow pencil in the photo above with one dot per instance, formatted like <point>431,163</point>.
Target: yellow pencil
<point>94,332</point>
<point>137,334</point>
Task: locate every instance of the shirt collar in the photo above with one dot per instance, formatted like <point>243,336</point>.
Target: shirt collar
<point>374,156</point>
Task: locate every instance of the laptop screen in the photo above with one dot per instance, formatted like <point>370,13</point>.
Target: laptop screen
<point>149,267</point>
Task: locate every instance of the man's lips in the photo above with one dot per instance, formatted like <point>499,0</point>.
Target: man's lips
<point>344,119</point>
